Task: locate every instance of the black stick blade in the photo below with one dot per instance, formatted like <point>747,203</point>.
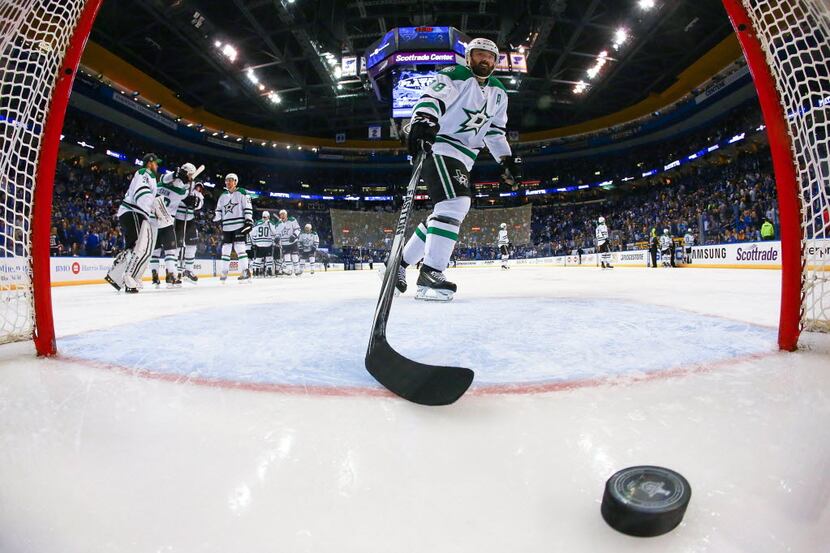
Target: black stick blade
<point>413,381</point>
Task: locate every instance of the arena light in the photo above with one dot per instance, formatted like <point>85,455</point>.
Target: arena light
<point>214,134</point>
<point>646,4</point>
<point>239,139</point>
<point>224,136</point>
<point>218,44</point>
<point>737,138</point>
<point>274,97</point>
<point>602,59</point>
<point>230,52</point>
<point>252,76</point>
<point>338,71</point>
<point>620,38</point>
<point>580,87</point>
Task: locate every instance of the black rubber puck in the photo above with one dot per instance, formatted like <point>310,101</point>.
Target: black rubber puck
<point>645,501</point>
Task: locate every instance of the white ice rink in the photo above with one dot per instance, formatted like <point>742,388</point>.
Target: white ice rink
<point>239,418</point>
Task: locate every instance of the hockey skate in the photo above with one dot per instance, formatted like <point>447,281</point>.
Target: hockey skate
<point>188,276</point>
<point>505,266</point>
<point>170,280</point>
<point>245,277</point>
<point>434,286</point>
<point>112,283</point>
<point>223,278</point>
<point>156,281</point>
<point>400,282</point>
<point>130,285</point>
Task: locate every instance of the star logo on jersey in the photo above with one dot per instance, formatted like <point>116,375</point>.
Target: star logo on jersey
<point>460,177</point>
<point>230,207</point>
<point>475,120</point>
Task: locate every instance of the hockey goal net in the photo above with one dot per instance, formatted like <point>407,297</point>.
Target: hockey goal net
<point>787,47</point>
<point>40,46</point>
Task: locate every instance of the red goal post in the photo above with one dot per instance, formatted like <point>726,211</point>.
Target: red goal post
<point>787,47</point>
<point>41,42</point>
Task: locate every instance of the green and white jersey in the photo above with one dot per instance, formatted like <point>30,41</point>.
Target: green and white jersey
<point>288,231</point>
<point>264,233</point>
<point>233,209</point>
<point>184,213</point>
<point>309,241</point>
<point>172,191</point>
<point>470,114</point>
<point>140,195</point>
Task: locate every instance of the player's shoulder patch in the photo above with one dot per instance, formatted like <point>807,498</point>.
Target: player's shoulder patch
<point>493,81</point>
<point>243,191</point>
<point>457,72</point>
<point>143,171</point>
<point>290,218</point>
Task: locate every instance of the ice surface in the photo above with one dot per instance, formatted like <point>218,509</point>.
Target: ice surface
<point>198,419</point>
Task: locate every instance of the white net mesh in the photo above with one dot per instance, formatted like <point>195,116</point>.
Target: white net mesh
<point>795,36</point>
<point>34,36</point>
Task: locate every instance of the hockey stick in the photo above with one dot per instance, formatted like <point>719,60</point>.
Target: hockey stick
<point>413,381</point>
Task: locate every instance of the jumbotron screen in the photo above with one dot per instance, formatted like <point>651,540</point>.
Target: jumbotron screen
<point>407,89</point>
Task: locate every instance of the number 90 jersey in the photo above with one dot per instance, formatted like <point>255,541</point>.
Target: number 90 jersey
<point>263,233</point>
<point>470,114</point>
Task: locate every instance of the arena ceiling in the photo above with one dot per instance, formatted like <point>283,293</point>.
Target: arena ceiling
<point>283,40</point>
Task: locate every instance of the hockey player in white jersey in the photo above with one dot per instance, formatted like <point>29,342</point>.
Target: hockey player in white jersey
<point>603,245</point>
<point>134,218</point>
<point>235,212</point>
<point>288,233</point>
<point>187,234</point>
<point>172,190</point>
<point>309,242</point>
<point>504,245</point>
<point>688,242</point>
<point>667,249</point>
<point>463,111</point>
<point>263,237</point>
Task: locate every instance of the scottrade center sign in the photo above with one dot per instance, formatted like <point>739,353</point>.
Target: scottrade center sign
<point>424,57</point>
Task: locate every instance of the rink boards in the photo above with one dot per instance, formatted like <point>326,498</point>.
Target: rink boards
<point>67,271</point>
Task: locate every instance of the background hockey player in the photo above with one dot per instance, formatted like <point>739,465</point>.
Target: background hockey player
<point>187,235</point>
<point>263,237</point>
<point>688,242</point>
<point>667,249</point>
<point>504,245</point>
<point>309,242</point>
<point>172,190</point>
<point>288,233</point>
<point>235,212</point>
<point>603,245</point>
<point>134,219</point>
<point>464,110</point>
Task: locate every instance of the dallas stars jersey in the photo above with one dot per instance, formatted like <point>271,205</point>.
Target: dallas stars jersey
<point>172,191</point>
<point>689,240</point>
<point>233,209</point>
<point>470,116</point>
<point>264,233</point>
<point>309,241</point>
<point>665,243</point>
<point>288,231</point>
<point>503,239</point>
<point>184,213</point>
<point>140,195</point>
<point>602,234</point>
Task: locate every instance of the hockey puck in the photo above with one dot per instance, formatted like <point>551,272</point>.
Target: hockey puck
<point>645,501</point>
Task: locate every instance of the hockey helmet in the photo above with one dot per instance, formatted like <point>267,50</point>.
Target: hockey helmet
<point>266,215</point>
<point>307,227</point>
<point>601,220</point>
<point>503,225</point>
<point>189,168</point>
<point>666,231</point>
<point>231,176</point>
<point>283,215</point>
<point>482,44</point>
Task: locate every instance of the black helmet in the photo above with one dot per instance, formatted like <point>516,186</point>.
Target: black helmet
<point>148,158</point>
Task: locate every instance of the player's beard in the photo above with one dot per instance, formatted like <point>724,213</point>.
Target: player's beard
<point>482,70</point>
